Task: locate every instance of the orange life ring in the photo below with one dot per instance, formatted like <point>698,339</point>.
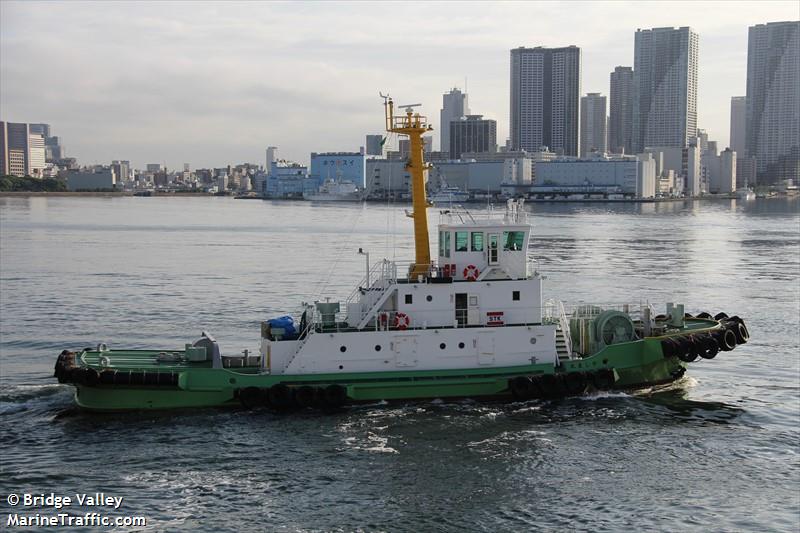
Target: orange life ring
<point>471,273</point>
<point>401,320</point>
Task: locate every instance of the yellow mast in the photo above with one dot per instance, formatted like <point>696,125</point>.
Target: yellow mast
<point>414,125</point>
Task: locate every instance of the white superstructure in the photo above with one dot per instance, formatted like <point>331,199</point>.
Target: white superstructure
<point>479,306</point>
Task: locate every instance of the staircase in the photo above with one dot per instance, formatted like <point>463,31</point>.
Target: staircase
<point>562,347</point>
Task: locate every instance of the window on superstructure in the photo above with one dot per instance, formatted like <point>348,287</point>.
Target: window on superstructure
<point>462,241</point>
<point>477,241</point>
<point>513,240</point>
<point>446,244</point>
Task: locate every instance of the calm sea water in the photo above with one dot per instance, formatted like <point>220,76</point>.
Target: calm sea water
<point>720,451</point>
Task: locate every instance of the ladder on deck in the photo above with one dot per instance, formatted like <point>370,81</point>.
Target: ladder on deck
<point>562,348</point>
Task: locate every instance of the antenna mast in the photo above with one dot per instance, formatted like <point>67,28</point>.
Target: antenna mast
<point>414,126</point>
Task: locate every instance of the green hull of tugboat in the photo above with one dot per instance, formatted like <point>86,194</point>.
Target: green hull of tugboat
<point>109,380</point>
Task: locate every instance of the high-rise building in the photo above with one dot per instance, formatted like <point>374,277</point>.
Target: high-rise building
<point>738,130</point>
<point>665,87</point>
<point>593,124</point>
<point>36,157</point>
<point>620,120</point>
<point>272,157</point>
<point>374,144</point>
<point>15,146</point>
<point>773,100</point>
<point>545,99</point>
<point>122,169</point>
<point>472,133</point>
<point>454,106</point>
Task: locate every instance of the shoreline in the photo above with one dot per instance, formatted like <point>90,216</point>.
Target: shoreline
<point>90,194</point>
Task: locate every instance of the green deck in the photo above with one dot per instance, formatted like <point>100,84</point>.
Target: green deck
<point>635,364</point>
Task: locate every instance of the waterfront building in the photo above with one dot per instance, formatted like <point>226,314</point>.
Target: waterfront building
<point>620,120</point>
<point>36,155</point>
<point>479,178</point>
<point>519,167</point>
<point>472,133</point>
<point>374,145</point>
<point>286,180</point>
<point>387,178</point>
<point>723,172</point>
<point>154,167</point>
<point>338,166</point>
<point>773,100</point>
<point>454,106</point>
<point>625,175</point>
<point>593,124</point>
<point>98,178</point>
<point>665,87</point>
<point>545,99</point>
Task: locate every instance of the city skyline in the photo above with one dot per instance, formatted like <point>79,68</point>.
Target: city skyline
<point>214,83</point>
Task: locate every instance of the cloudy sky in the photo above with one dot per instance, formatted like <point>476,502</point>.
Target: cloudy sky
<point>215,83</point>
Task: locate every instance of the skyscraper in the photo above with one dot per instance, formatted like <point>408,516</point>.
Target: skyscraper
<point>665,87</point>
<point>620,120</point>
<point>738,130</point>
<point>472,133</point>
<point>545,98</point>
<point>593,124</point>
<point>773,100</point>
<point>454,106</point>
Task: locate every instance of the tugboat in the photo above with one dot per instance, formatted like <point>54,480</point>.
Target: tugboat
<point>471,324</point>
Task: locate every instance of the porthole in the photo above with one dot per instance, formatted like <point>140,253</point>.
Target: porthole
<point>343,349</point>
<point>442,346</point>
<point>341,367</point>
<point>377,347</point>
<point>533,340</point>
<point>461,345</point>
<point>429,298</point>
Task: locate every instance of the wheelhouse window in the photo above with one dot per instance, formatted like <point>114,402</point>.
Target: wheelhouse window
<point>462,241</point>
<point>513,240</point>
<point>477,241</point>
<point>444,244</point>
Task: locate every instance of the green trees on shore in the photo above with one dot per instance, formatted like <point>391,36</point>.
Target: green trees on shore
<point>28,184</point>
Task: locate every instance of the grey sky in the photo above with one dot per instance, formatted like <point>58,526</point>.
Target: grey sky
<point>211,84</point>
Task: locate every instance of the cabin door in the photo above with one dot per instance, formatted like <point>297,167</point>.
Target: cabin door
<point>461,309</point>
<point>494,241</point>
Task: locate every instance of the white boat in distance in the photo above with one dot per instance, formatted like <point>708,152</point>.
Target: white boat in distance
<point>449,195</point>
<point>336,191</point>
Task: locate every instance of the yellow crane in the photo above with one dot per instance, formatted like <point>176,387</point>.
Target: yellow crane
<point>415,126</point>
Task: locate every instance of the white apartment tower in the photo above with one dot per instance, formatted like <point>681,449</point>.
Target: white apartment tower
<point>545,99</point>
<point>773,100</point>
<point>620,119</point>
<point>593,124</point>
<point>454,106</point>
<point>665,87</point>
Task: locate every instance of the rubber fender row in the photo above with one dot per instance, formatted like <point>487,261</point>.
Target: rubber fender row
<point>688,348</point>
<point>64,366</point>
<point>282,396</point>
<point>562,384</point>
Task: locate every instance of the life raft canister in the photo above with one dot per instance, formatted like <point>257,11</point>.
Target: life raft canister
<point>401,320</point>
<point>471,272</point>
